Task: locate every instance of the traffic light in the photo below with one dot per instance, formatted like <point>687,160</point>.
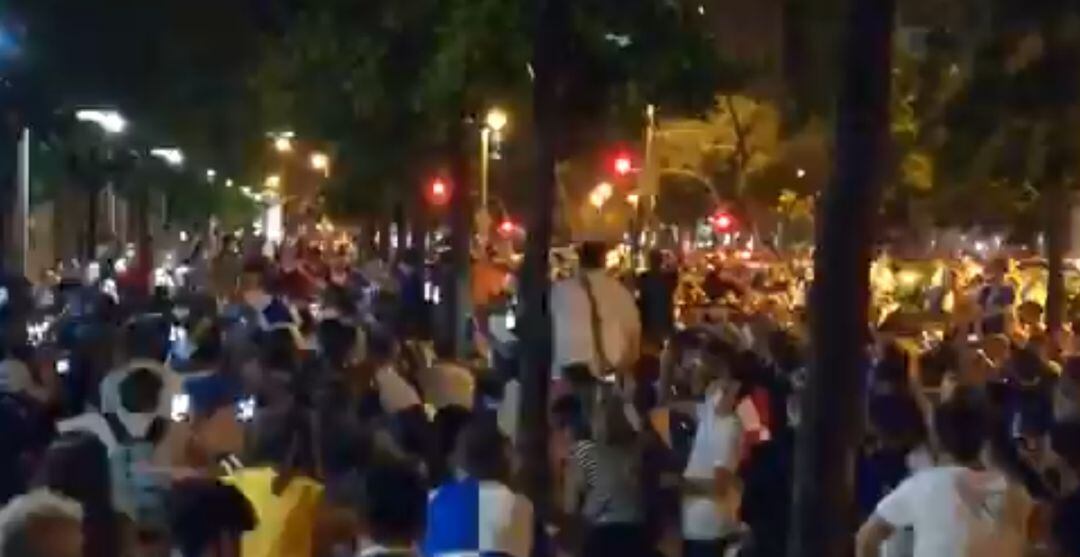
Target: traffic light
<point>507,227</point>
<point>623,164</point>
<point>722,221</point>
<point>438,192</point>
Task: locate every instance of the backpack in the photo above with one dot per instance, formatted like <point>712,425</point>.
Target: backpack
<point>141,490</point>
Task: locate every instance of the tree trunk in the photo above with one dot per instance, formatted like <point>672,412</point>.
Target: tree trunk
<point>1057,222</point>
<point>461,216</point>
<point>823,501</point>
<point>552,20</point>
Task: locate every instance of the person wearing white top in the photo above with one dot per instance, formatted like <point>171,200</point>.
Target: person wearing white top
<point>620,321</point>
<point>962,509</point>
<point>711,490</point>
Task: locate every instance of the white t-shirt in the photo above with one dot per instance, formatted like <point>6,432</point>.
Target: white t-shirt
<point>505,521</point>
<point>172,384</point>
<point>620,322</point>
<point>716,445</point>
<point>959,512</point>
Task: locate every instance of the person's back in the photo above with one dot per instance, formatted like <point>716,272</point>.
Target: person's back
<point>960,510</point>
<point>479,513</point>
<point>578,303</point>
<point>657,295</point>
<point>957,511</point>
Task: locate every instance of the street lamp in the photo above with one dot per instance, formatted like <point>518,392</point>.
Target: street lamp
<point>320,162</point>
<point>282,140</point>
<point>229,183</point>
<point>170,155</point>
<point>494,122</point>
<point>109,120</point>
<point>496,119</point>
<point>210,174</point>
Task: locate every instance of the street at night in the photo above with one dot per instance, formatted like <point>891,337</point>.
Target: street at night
<point>539,278</point>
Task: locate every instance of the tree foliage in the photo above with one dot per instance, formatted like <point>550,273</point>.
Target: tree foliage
<point>398,88</point>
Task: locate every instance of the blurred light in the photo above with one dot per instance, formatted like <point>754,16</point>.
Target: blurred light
<point>171,155</point>
<point>701,9</point>
<point>723,221</point>
<point>507,227</point>
<point>273,181</point>
<point>320,161</point>
<point>980,246</point>
<point>633,199</point>
<point>496,119</point>
<point>229,183</point>
<point>110,120</point>
<point>283,144</point>
<point>623,165</point>
<point>908,278</point>
<point>184,236</point>
<point>211,174</point>
<point>596,199</point>
<point>800,173</point>
<point>605,190</point>
<point>438,192</point>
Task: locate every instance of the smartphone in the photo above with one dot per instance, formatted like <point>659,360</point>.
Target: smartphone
<point>245,409</point>
<point>63,366</point>
<point>180,408</point>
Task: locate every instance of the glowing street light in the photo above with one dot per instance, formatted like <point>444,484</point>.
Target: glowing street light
<point>320,162</point>
<point>800,173</point>
<point>109,120</point>
<point>170,155</point>
<point>211,174</point>
<point>496,119</point>
<point>597,200</point>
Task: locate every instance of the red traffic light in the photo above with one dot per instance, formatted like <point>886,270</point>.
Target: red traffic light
<point>723,221</point>
<point>507,227</point>
<point>623,164</point>
<point>438,193</point>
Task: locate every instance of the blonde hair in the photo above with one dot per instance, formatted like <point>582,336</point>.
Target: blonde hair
<point>20,514</point>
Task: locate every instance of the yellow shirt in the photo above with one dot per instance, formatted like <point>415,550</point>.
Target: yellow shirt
<point>286,521</point>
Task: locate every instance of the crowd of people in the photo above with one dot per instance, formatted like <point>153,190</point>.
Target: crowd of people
<point>310,404</point>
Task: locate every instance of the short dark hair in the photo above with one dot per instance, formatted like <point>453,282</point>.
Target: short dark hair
<point>202,511</point>
<point>962,428</point>
<point>592,255</point>
<point>394,503</point>
<point>482,448</point>
<point>140,391</point>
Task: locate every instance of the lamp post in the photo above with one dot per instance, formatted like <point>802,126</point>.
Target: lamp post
<point>494,123</point>
<point>112,123</point>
